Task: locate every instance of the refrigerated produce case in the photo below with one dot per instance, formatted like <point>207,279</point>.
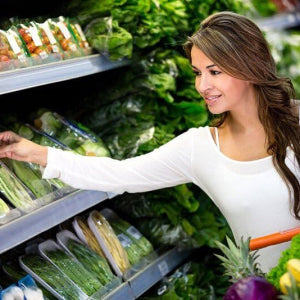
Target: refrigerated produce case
<point>29,225</point>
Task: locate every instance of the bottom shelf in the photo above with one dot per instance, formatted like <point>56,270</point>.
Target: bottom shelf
<point>151,274</point>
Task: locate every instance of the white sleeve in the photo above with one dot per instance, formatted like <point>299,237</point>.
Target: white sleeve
<point>166,166</point>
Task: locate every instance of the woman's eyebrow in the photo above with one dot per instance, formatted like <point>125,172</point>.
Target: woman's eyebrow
<point>207,67</point>
<point>210,66</point>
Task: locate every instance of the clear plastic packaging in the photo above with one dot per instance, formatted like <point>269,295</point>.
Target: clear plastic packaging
<point>109,242</point>
<point>19,52</point>
<point>86,235</point>
<point>79,35</point>
<point>15,192</point>
<point>71,267</point>
<point>31,37</point>
<point>67,42</point>
<point>50,277</point>
<point>49,40</point>
<point>91,260</point>
<point>68,133</point>
<point>117,223</point>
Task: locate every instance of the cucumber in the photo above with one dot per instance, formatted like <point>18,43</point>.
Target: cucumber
<point>31,178</point>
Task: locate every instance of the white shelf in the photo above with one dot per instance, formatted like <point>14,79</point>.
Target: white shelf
<point>46,217</point>
<point>280,21</point>
<point>20,79</point>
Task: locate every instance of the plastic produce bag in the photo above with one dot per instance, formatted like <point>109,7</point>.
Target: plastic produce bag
<point>51,277</point>
<point>49,39</point>
<point>111,245</point>
<point>86,235</point>
<point>12,46</point>
<point>122,226</point>
<point>31,133</point>
<point>13,190</point>
<point>108,38</point>
<point>92,261</point>
<point>32,39</point>
<point>7,55</point>
<point>79,35</point>
<point>71,267</point>
<point>66,39</point>
<point>69,134</point>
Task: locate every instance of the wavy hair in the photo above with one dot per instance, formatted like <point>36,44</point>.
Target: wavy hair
<point>238,47</point>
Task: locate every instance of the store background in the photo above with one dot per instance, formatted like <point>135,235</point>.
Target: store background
<point>145,103</point>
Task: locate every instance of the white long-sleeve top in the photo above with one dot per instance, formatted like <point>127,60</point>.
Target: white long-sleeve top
<point>250,194</point>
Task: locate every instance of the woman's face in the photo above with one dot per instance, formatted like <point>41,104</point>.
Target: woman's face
<point>220,91</point>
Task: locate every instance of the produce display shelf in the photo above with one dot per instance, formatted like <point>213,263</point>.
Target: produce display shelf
<point>150,275</point>
<point>27,226</point>
<point>20,79</point>
<point>280,21</point>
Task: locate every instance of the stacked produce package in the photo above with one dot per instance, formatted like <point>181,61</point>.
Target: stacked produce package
<point>86,261</point>
<point>33,43</point>
<point>22,188</point>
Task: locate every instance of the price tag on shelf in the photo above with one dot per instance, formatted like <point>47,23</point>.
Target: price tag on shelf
<point>163,268</point>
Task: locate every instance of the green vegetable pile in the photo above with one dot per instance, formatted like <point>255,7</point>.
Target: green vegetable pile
<point>85,280</point>
<point>292,252</point>
<point>52,276</point>
<point>144,245</point>
<point>92,261</point>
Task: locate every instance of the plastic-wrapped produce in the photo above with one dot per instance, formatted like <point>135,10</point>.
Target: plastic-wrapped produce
<point>63,35</point>
<point>12,49</point>
<point>86,235</point>
<point>111,245</point>
<point>68,133</point>
<point>12,189</point>
<point>49,39</point>
<point>72,268</point>
<point>51,277</point>
<point>32,39</point>
<point>92,261</point>
<point>43,139</point>
<point>77,32</point>
<point>117,223</point>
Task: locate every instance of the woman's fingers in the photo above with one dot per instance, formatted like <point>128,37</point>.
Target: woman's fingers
<point>9,137</point>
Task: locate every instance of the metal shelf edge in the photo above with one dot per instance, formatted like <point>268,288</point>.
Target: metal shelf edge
<point>20,79</point>
<point>156,270</point>
<point>46,217</point>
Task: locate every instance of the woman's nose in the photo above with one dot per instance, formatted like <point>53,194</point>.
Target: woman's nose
<point>204,84</point>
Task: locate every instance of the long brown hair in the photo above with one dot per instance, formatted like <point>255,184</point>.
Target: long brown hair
<point>237,46</point>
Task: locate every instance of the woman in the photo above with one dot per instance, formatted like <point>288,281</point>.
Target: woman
<point>248,162</point>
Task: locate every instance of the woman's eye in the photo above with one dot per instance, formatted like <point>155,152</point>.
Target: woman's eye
<point>197,73</point>
<point>215,72</point>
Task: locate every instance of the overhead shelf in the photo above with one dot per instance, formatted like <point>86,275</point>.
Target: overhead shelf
<point>46,217</point>
<point>20,79</point>
<point>280,21</point>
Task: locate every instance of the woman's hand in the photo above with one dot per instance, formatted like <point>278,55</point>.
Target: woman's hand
<point>15,147</point>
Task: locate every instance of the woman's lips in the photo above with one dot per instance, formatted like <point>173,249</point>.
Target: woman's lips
<point>211,99</point>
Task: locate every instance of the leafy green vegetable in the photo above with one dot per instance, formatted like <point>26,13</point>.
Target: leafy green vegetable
<point>52,276</point>
<point>75,271</point>
<point>292,252</point>
<point>92,261</point>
